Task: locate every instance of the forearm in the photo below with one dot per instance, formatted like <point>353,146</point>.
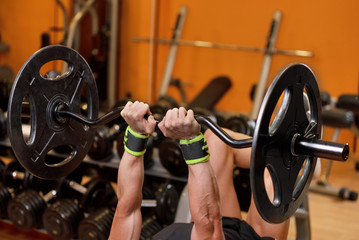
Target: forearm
<point>129,182</point>
<point>127,220</point>
<point>204,202</point>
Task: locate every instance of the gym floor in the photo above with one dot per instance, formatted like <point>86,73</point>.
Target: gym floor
<point>330,218</point>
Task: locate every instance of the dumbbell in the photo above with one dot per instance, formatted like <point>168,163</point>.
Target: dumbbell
<point>26,208</point>
<point>2,166</point>
<point>61,219</point>
<point>6,193</point>
<point>97,225</point>
<point>240,123</point>
<point>15,176</point>
<point>5,196</point>
<point>171,157</point>
<point>3,129</point>
<point>164,204</point>
<point>102,145</point>
<point>163,104</point>
<point>5,88</point>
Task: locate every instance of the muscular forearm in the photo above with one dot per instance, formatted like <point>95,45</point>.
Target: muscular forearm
<point>130,182</point>
<point>204,202</point>
<point>127,220</point>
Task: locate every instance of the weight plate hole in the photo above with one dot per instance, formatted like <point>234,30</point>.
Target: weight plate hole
<point>55,69</point>
<point>302,178</point>
<point>279,112</point>
<point>272,185</point>
<point>60,155</point>
<point>27,115</point>
<point>307,106</point>
<point>86,103</point>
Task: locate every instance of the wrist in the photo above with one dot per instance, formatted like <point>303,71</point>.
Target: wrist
<point>195,150</point>
<point>135,143</point>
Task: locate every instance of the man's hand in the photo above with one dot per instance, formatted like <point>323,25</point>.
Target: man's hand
<point>134,114</point>
<point>179,124</point>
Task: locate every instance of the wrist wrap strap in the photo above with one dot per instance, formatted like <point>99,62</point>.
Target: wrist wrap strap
<point>195,150</point>
<point>135,143</point>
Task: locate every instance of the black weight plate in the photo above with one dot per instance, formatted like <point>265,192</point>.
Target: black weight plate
<point>3,130</point>
<point>167,201</point>
<point>237,123</point>
<point>8,171</point>
<point>97,225</point>
<point>25,209</point>
<point>2,166</point>
<point>171,157</point>
<point>5,197</point>
<point>44,95</point>
<point>290,173</point>
<point>61,219</point>
<point>102,145</point>
<point>95,195</point>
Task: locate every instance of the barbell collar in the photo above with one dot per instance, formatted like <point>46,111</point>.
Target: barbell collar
<point>321,149</point>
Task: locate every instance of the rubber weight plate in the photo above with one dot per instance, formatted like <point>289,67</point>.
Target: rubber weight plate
<point>295,94</point>
<point>49,130</point>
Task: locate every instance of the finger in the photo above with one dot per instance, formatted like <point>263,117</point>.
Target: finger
<point>190,113</point>
<point>173,121</point>
<point>148,109</point>
<point>142,109</point>
<point>125,109</point>
<point>151,124</point>
<point>182,112</point>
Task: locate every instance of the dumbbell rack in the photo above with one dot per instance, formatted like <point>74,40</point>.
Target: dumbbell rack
<point>157,170</point>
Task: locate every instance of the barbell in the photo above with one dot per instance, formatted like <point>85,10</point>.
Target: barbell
<point>286,142</point>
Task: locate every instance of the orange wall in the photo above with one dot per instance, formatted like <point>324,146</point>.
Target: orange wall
<point>21,24</point>
<point>327,28</point>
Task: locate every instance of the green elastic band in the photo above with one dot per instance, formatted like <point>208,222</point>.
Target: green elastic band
<point>137,154</point>
<point>195,150</point>
<point>135,143</point>
<point>137,135</point>
<point>192,140</point>
<point>199,160</point>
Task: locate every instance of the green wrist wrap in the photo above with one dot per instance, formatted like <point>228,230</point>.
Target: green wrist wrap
<point>195,150</point>
<point>135,143</point>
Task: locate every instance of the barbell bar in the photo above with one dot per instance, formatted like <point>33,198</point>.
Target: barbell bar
<point>286,143</point>
<point>207,44</point>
